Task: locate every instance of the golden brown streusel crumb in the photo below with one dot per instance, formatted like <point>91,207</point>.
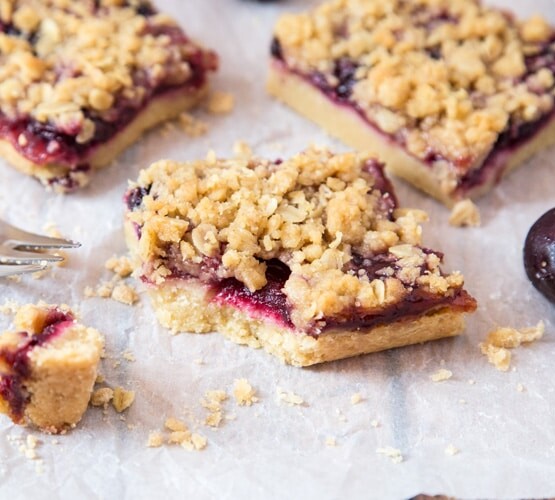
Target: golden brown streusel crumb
<point>213,419</point>
<point>501,339</point>
<point>192,126</point>
<point>155,439</point>
<point>174,424</point>
<point>242,150</point>
<point>129,356</point>
<point>122,399</point>
<point>244,393</point>
<point>120,265</point>
<point>220,102</point>
<point>441,375</point>
<point>100,379</point>
<point>289,398</point>
<point>393,453</point>
<point>125,294</point>
<point>520,387</point>
<point>315,211</point>
<point>102,396</point>
<point>331,442</point>
<point>446,75</point>
<point>465,213</point>
<point>375,423</point>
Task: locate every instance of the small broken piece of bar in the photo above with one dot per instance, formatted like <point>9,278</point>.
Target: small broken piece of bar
<point>309,257</point>
<point>451,94</point>
<point>48,367</point>
<point>81,81</point>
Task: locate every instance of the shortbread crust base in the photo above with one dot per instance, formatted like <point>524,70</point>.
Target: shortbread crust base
<point>347,125</point>
<point>62,376</point>
<point>165,107</point>
<point>189,307</point>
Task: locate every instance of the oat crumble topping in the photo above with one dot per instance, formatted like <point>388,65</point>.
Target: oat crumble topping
<point>122,399</point>
<point>465,213</point>
<point>72,65</point>
<point>244,393</point>
<point>441,375</point>
<point>322,215</point>
<point>444,77</point>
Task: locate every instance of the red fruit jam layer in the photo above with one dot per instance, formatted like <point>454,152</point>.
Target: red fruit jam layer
<point>12,385</point>
<point>46,144</point>
<point>516,135</point>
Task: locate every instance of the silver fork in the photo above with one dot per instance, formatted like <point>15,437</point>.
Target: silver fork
<point>22,252</point>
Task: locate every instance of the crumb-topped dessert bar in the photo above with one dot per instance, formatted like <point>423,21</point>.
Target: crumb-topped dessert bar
<point>451,94</point>
<point>309,257</point>
<point>81,80</point>
<point>48,367</point>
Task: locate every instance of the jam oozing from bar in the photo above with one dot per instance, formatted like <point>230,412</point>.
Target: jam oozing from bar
<point>12,384</point>
<point>43,143</point>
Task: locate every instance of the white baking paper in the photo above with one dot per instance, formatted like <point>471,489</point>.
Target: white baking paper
<point>506,437</point>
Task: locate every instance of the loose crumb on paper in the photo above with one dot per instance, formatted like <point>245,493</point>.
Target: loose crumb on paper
<point>9,307</point>
<point>356,398</point>
<point>242,150</point>
<point>192,126</point>
<point>244,393</point>
<point>331,442</point>
<point>393,453</point>
<point>177,433</point>
<point>122,399</point>
<point>220,102</point>
<point>102,397</point>
<point>451,450</point>
<point>375,423</point>
<point>119,265</point>
<point>465,213</point>
<point>500,340</point>
<point>289,398</point>
<point>212,401</point>
<point>441,375</point>
<point>520,388</point>
<point>155,439</point>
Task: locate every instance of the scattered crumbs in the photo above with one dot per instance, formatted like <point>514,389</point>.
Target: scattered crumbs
<point>462,401</point>
<point>89,292</point>
<point>375,423</point>
<point>441,375</point>
<point>128,356</point>
<point>451,450</point>
<point>40,274</point>
<point>116,363</point>
<point>220,102</point>
<point>244,393</point>
<point>242,150</point>
<point>198,361</point>
<point>230,416</point>
<point>356,398</point>
<point>212,401</point>
<point>122,399</point>
<point>16,278</point>
<point>155,439</point>
<point>520,388</point>
<point>199,442</point>
<point>501,339</point>
<point>173,424</point>
<point>472,381</point>
<point>125,294</point>
<point>393,453</point>
<point>179,437</point>
<point>100,379</point>
<point>55,442</point>
<point>341,416</point>
<point>213,419</point>
<point>52,230</point>
<point>27,447</point>
<point>331,442</point>
<point>101,397</point>
<point>9,307</point>
<point>132,427</point>
<point>289,398</point>
<point>192,126</point>
<point>465,213</point>
<point>119,265</point>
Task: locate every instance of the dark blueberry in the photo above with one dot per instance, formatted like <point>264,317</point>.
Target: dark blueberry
<point>135,197</point>
<point>275,49</point>
<point>434,52</point>
<point>345,70</point>
<point>321,82</point>
<point>146,10</point>
<point>539,254</point>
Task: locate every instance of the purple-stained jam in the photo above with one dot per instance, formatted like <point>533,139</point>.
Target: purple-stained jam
<point>12,385</point>
<point>268,302</point>
<point>134,197</point>
<point>539,254</point>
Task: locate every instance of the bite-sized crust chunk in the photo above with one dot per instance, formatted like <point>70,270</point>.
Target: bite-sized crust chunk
<point>81,81</point>
<point>452,93</point>
<point>48,367</point>
<point>308,257</point>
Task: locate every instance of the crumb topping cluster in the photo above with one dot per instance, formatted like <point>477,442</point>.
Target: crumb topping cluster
<point>445,77</point>
<point>320,214</point>
<point>69,64</point>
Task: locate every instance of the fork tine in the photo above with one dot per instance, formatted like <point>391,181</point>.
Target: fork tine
<point>10,270</point>
<point>19,238</point>
<point>10,255</point>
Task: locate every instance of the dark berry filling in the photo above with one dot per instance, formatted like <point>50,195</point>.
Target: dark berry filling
<point>45,143</point>
<point>539,254</point>
<point>134,197</point>
<point>12,385</point>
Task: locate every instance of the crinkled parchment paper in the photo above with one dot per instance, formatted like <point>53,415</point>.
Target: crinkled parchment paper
<point>506,437</point>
